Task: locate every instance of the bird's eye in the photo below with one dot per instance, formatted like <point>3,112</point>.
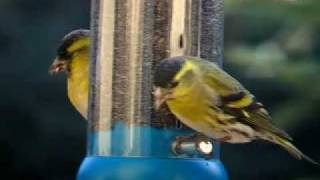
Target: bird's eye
<point>173,84</point>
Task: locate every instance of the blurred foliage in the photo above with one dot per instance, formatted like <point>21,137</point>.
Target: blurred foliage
<point>287,55</point>
<point>271,46</point>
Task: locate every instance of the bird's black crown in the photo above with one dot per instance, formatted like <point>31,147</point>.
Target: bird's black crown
<point>68,40</point>
<point>166,70</point>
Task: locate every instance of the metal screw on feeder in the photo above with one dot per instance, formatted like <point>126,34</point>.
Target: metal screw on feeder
<point>190,148</point>
<point>126,139</point>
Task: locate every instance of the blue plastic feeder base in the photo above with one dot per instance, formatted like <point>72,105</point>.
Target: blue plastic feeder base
<point>142,168</point>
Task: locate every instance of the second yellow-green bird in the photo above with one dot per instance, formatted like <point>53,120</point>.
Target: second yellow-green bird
<point>210,101</point>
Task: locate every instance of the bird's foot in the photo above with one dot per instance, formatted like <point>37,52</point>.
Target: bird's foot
<point>196,137</point>
<point>224,139</point>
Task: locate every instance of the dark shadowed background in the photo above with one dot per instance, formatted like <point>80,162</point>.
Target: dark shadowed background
<point>272,47</point>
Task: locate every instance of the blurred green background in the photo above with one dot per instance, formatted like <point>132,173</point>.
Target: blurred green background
<point>271,46</point>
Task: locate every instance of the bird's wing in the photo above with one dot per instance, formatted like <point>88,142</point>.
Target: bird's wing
<point>235,100</point>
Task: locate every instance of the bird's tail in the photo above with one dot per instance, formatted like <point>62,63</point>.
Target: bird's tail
<point>295,152</point>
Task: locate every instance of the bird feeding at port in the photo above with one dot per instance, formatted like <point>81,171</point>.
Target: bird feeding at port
<point>212,102</point>
<point>72,58</point>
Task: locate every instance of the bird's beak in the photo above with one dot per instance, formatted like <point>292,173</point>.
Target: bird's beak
<point>161,96</point>
<point>57,66</point>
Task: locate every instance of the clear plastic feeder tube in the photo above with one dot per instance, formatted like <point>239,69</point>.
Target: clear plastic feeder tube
<point>129,38</point>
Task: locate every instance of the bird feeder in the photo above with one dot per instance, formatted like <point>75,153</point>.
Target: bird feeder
<point>127,139</point>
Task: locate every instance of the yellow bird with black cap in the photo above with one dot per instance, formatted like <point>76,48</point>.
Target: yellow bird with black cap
<point>73,59</point>
<point>210,101</point>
